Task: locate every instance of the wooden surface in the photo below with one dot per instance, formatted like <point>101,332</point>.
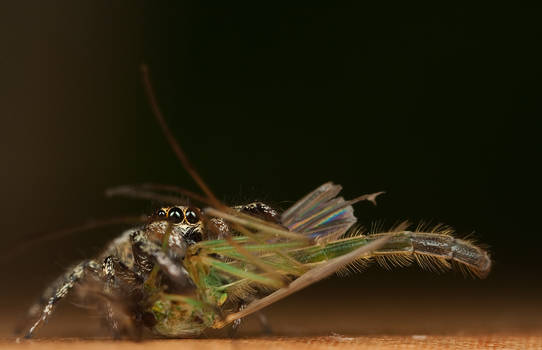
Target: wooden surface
<point>334,341</point>
<point>434,312</point>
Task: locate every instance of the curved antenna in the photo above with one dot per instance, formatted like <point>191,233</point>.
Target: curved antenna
<point>139,192</point>
<point>133,191</point>
<point>171,140</point>
<point>92,225</point>
<point>176,189</point>
<point>211,199</point>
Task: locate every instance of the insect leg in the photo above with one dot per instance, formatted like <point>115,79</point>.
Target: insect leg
<point>58,290</point>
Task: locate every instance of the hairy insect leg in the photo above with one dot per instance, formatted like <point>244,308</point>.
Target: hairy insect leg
<point>58,290</point>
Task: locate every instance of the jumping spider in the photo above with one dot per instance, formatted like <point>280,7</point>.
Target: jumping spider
<point>119,277</point>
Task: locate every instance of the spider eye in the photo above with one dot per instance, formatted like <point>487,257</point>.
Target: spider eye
<point>175,215</point>
<point>160,213</point>
<point>191,216</point>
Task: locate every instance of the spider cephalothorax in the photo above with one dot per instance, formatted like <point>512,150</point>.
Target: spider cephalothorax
<point>183,225</point>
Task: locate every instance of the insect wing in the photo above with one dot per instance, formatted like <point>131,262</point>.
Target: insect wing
<point>321,215</point>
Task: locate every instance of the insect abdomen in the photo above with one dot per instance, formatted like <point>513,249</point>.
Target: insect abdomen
<point>436,251</point>
<point>433,251</point>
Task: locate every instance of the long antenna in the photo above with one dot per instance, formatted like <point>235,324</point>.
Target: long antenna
<point>89,226</point>
<point>172,141</point>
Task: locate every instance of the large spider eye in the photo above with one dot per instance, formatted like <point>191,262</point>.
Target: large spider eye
<point>160,213</point>
<point>175,215</point>
<point>191,216</point>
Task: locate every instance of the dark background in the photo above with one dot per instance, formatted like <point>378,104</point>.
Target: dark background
<point>436,105</point>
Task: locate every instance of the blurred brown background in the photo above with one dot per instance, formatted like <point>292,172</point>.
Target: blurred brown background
<point>435,105</point>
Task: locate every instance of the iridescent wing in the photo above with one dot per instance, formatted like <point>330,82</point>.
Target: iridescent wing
<point>321,214</point>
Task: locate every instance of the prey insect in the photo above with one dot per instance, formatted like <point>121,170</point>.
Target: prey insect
<point>187,269</point>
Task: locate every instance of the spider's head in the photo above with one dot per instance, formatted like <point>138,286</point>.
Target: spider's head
<point>185,224</point>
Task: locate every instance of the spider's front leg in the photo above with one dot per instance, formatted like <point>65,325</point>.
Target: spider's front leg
<point>147,253</point>
<point>58,290</point>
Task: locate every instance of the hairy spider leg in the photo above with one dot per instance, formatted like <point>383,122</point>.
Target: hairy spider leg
<point>105,275</point>
<point>118,277</point>
<point>58,290</point>
<point>149,253</point>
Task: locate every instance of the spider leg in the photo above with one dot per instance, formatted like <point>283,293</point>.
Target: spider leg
<point>260,210</point>
<point>117,279</point>
<point>58,290</point>
<point>148,253</point>
<point>264,323</point>
<point>232,332</point>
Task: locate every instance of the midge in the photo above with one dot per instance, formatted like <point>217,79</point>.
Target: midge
<point>187,269</point>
